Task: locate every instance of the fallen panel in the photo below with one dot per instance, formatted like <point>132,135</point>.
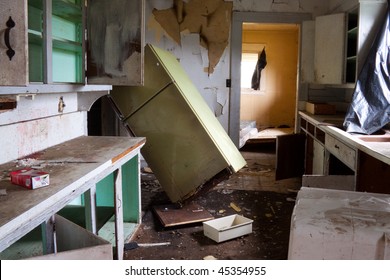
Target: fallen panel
<point>186,145</point>
<point>173,215</point>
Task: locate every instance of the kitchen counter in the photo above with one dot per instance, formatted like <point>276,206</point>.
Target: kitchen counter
<point>377,146</point>
<point>75,167</point>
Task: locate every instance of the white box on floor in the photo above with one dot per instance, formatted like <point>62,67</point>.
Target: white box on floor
<point>336,225</point>
<point>228,227</point>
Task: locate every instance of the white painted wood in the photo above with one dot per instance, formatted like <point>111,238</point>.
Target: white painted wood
<point>342,151</point>
<point>90,209</point>
<point>25,138</point>
<point>371,16</point>
<point>14,71</point>
<point>330,48</point>
<point>94,158</point>
<point>35,89</point>
<point>47,42</point>
<point>318,157</point>
<point>109,43</point>
<point>119,239</point>
<point>307,52</point>
<point>76,243</point>
<point>236,48</point>
<point>49,236</point>
<point>338,182</point>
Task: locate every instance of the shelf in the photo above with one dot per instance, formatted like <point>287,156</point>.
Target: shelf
<point>34,89</point>
<point>67,45</point>
<point>69,10</point>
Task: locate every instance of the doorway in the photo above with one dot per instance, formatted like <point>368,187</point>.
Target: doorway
<point>272,105</point>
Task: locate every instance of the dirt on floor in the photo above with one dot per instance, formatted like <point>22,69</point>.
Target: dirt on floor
<point>249,189</point>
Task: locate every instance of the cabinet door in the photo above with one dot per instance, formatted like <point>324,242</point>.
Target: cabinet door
<point>307,52</point>
<point>13,26</point>
<point>115,42</point>
<point>329,50</point>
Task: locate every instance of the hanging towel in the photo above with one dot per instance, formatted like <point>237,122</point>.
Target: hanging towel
<point>260,65</point>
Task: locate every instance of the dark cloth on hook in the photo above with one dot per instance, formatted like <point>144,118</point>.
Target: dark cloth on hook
<point>370,107</point>
<point>260,65</point>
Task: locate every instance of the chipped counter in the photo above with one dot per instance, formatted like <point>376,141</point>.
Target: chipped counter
<point>377,146</point>
<point>75,167</point>
<point>337,225</point>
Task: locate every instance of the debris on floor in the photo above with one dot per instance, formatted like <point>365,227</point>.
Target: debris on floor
<point>268,203</point>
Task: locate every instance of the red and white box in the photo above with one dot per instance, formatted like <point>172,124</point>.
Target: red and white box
<point>30,178</point>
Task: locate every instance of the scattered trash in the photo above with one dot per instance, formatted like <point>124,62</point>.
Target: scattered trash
<point>225,191</point>
<point>147,170</point>
<point>290,199</point>
<point>3,192</point>
<point>210,257</point>
<point>134,245</point>
<point>235,207</point>
<point>221,211</point>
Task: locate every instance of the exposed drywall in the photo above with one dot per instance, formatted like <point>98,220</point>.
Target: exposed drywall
<point>194,57</point>
<point>208,18</point>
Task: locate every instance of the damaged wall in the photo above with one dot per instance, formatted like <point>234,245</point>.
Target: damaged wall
<point>36,124</point>
<point>189,47</point>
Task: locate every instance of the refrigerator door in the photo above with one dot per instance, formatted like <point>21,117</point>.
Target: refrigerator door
<point>186,145</point>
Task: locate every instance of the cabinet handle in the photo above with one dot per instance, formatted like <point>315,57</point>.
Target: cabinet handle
<point>10,24</point>
<point>337,147</point>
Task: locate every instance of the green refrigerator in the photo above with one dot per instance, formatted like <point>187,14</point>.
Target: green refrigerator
<point>186,146</point>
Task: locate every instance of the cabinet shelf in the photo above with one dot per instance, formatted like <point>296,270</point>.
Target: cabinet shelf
<point>66,45</point>
<point>70,10</point>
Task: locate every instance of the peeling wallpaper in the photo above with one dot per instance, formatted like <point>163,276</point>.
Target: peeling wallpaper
<point>194,57</point>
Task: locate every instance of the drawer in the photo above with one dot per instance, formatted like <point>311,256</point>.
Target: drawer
<point>340,150</point>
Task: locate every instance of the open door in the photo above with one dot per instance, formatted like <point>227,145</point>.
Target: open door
<point>290,156</point>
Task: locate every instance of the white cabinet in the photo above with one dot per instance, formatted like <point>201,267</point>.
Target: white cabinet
<point>13,51</point>
<point>329,49</point>
<point>341,42</point>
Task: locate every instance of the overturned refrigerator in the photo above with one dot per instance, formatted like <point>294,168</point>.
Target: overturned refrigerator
<point>186,146</point>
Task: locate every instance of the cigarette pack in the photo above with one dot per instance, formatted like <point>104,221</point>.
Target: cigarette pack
<point>30,178</point>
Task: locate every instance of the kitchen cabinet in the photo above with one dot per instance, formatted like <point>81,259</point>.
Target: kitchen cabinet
<point>76,168</point>
<point>329,48</point>
<point>53,38</point>
<point>341,42</point>
<point>328,159</point>
<point>13,30</point>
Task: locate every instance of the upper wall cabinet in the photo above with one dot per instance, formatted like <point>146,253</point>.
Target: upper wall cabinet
<point>115,42</point>
<point>13,51</point>
<point>341,43</point>
<point>329,49</point>
<point>73,42</point>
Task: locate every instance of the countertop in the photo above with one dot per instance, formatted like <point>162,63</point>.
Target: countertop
<point>378,146</point>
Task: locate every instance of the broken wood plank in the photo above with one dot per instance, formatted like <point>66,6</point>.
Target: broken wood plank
<point>174,215</point>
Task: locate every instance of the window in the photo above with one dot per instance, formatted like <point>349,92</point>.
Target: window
<point>249,59</point>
